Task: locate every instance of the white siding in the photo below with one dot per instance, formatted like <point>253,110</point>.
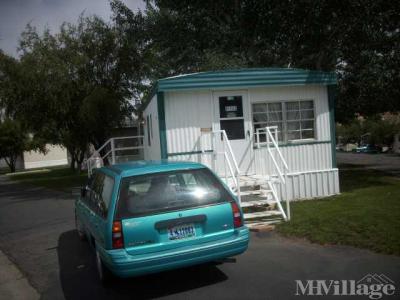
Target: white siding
<point>300,158</point>
<point>152,151</point>
<point>311,172</point>
<point>186,113</point>
<point>308,185</point>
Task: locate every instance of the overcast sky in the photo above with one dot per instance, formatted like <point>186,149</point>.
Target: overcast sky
<point>15,14</point>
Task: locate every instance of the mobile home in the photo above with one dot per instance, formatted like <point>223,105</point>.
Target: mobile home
<point>272,129</point>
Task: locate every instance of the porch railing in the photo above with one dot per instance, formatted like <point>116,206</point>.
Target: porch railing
<point>271,138</point>
<point>229,158</point>
<point>109,152</point>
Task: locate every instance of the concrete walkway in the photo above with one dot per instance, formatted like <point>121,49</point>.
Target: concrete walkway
<point>13,284</point>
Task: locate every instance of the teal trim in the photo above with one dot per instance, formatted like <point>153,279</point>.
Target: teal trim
<point>241,78</point>
<point>246,78</point>
<point>331,101</point>
<point>161,125</point>
<point>188,153</point>
<point>298,144</point>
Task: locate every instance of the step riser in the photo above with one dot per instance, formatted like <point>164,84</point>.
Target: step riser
<point>257,192</point>
<point>262,214</point>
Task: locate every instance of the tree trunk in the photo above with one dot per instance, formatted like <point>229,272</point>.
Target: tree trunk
<point>11,162</point>
<point>72,163</point>
<point>80,161</point>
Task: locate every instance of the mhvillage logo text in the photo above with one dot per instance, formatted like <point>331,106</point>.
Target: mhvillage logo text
<point>372,285</point>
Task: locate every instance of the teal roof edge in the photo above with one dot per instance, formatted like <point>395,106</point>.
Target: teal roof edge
<point>242,78</point>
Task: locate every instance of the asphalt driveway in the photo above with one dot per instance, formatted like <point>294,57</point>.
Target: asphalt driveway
<point>389,163</point>
<point>37,234</point>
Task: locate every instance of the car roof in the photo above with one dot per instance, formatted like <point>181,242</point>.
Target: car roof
<point>150,166</point>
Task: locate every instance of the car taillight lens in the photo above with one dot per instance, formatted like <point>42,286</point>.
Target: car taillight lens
<point>237,216</point>
<point>117,238</point>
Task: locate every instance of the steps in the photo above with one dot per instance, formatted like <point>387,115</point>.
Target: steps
<point>258,201</point>
<point>257,194</point>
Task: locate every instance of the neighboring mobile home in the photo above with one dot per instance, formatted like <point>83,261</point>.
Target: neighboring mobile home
<point>55,156</point>
<point>185,114</point>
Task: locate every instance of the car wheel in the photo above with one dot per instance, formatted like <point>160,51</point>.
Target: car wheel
<point>81,233</point>
<point>104,274</point>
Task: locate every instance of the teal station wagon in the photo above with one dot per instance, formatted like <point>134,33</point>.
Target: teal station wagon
<point>147,217</point>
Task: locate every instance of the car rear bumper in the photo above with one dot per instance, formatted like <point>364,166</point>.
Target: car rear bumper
<point>123,264</point>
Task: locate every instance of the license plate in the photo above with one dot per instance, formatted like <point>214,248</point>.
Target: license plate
<point>181,232</point>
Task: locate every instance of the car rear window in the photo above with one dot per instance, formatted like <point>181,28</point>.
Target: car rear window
<point>169,191</point>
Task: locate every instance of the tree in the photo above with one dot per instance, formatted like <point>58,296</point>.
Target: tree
<point>380,129</point>
<point>13,142</point>
<point>80,83</point>
<point>101,112</point>
<point>359,40</point>
<point>15,134</point>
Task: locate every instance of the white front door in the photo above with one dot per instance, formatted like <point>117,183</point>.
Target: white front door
<point>232,114</point>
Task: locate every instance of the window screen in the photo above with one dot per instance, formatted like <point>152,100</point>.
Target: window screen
<point>295,119</point>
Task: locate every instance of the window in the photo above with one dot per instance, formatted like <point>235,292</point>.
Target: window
<point>148,130</point>
<point>95,189</point>
<point>151,127</point>
<point>169,191</point>
<point>100,193</point>
<point>300,120</point>
<point>268,114</point>
<point>106,193</point>
<point>231,116</point>
<point>295,119</point>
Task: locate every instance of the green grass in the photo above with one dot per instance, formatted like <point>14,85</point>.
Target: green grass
<point>60,179</point>
<point>4,171</point>
<point>365,215</point>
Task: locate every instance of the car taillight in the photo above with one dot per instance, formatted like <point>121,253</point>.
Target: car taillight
<point>237,216</point>
<point>117,238</point>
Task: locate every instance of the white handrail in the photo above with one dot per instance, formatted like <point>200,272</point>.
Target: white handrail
<point>271,139</point>
<point>225,139</point>
<point>104,145</point>
<point>272,188</point>
<point>275,144</point>
<point>280,173</point>
<point>229,158</point>
<point>111,142</point>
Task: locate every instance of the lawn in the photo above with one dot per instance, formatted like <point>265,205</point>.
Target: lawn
<point>365,215</point>
<point>60,179</point>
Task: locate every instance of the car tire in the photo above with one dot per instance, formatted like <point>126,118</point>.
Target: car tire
<point>103,273</point>
<point>79,230</point>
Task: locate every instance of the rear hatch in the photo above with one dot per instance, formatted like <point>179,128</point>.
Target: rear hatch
<point>164,211</point>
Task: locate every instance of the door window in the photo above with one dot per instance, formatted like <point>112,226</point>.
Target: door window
<point>231,116</point>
